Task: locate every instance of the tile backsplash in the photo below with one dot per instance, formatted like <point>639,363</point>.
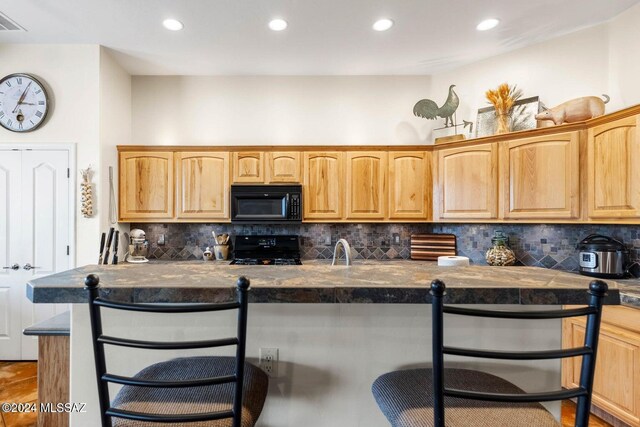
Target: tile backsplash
<point>542,245</point>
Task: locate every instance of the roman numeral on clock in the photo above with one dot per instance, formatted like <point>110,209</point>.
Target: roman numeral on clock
<point>37,92</point>
<point>8,83</point>
<point>39,114</point>
<point>40,102</point>
<point>19,80</point>
<point>1,114</point>
<point>20,125</point>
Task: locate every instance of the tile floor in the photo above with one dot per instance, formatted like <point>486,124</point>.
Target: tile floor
<point>18,384</point>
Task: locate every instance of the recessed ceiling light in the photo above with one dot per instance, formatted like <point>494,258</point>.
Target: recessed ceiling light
<point>487,24</point>
<point>383,24</point>
<point>172,24</point>
<point>278,24</point>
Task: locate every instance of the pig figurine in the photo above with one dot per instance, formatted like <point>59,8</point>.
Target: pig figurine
<point>575,110</point>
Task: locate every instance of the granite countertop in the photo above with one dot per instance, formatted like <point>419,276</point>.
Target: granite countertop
<point>59,325</point>
<point>319,282</point>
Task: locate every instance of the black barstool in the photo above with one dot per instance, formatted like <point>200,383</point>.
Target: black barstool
<point>421,397</point>
<point>213,391</point>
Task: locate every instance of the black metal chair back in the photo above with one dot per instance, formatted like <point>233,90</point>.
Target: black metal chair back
<point>597,290</point>
<point>104,378</point>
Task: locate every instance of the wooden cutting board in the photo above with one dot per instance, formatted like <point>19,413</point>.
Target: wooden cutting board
<point>428,247</point>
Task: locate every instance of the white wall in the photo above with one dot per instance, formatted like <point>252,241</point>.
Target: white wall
<point>70,73</point>
<point>277,110</point>
<point>378,110</point>
<point>115,129</point>
<point>624,58</point>
<point>558,70</point>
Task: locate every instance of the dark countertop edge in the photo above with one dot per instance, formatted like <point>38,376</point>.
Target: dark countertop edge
<point>59,325</point>
<point>334,295</point>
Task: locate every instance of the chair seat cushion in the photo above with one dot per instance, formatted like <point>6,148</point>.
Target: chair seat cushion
<point>193,399</point>
<point>406,399</point>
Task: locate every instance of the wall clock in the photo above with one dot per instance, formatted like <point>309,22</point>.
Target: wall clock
<point>23,103</point>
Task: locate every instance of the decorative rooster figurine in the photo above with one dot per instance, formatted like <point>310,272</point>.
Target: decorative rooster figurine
<point>428,109</point>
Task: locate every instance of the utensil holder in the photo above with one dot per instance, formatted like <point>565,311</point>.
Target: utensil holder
<point>221,252</point>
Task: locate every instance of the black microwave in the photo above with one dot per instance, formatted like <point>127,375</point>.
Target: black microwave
<point>255,204</point>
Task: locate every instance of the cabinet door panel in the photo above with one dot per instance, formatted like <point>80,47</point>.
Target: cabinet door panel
<point>616,388</point>
<point>366,185</point>
<point>283,167</point>
<point>323,185</point>
<point>146,185</point>
<point>202,185</point>
<point>468,182</point>
<point>540,177</point>
<point>410,185</point>
<point>613,170</point>
<point>248,167</point>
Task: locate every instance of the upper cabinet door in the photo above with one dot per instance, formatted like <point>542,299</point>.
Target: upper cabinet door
<point>323,185</point>
<point>202,185</point>
<point>410,185</point>
<point>468,182</point>
<point>366,185</point>
<point>613,169</point>
<point>248,167</point>
<point>146,185</point>
<point>283,166</point>
<point>540,177</point>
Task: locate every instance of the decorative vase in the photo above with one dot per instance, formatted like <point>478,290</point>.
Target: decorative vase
<point>499,253</point>
<point>502,124</point>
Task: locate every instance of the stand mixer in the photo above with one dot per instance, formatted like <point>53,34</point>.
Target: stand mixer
<point>138,247</point>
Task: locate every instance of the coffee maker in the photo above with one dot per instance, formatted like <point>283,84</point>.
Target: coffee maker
<point>138,246</point>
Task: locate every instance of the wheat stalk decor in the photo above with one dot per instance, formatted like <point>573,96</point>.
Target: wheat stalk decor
<point>503,99</point>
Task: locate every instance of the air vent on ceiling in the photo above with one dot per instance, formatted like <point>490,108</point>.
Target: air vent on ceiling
<point>7,24</point>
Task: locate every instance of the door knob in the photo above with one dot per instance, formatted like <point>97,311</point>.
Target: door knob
<point>13,267</point>
<point>28,267</point>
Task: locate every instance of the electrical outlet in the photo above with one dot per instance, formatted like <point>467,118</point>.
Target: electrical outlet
<point>269,361</point>
<point>161,240</point>
<point>327,241</point>
<point>396,239</point>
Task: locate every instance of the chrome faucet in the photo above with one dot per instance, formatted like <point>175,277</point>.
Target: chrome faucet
<point>347,251</point>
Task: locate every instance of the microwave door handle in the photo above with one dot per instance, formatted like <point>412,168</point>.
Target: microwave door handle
<point>287,208</point>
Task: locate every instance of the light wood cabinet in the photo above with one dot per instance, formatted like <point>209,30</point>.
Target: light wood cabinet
<point>616,388</point>
<point>283,167</point>
<point>410,185</point>
<point>613,169</point>
<point>468,182</point>
<point>146,185</point>
<point>366,185</point>
<point>323,185</point>
<point>540,177</point>
<point>202,185</point>
<point>248,167</point>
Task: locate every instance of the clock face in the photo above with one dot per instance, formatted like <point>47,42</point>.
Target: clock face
<point>23,103</point>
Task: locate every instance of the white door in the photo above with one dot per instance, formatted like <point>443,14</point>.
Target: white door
<point>38,237</point>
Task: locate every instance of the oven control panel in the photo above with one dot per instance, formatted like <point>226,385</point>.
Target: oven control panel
<point>267,242</point>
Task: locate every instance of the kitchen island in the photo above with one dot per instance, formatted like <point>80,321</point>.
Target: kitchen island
<point>337,328</point>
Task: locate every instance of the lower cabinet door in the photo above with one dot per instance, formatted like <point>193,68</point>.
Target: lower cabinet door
<point>616,388</point>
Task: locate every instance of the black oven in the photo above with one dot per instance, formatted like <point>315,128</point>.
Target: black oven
<point>266,203</point>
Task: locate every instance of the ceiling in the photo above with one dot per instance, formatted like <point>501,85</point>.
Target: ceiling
<point>325,37</point>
